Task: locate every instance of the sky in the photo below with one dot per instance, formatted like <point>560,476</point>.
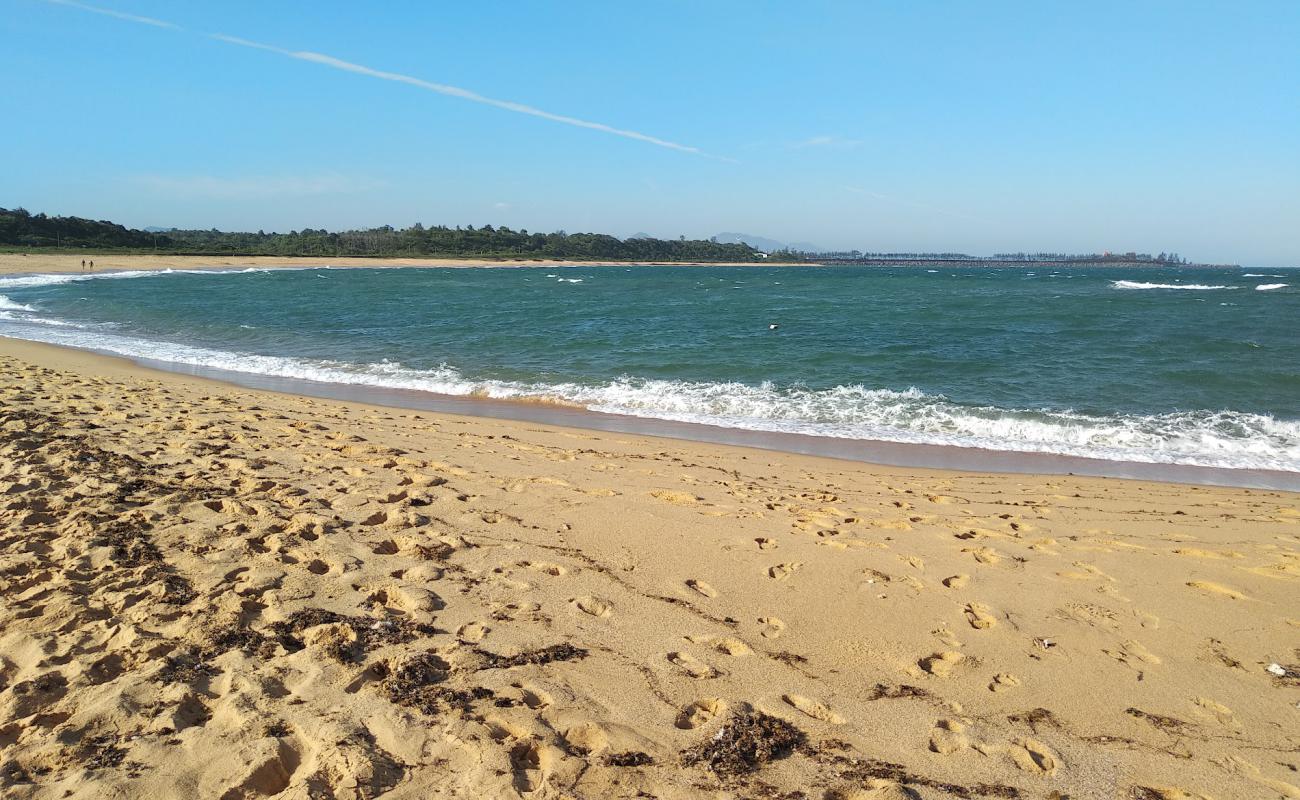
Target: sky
<point>875,125</point>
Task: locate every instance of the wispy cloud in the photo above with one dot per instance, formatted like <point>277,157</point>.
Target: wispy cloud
<point>108,12</point>
<point>439,88</point>
<point>826,141</point>
<point>255,185</point>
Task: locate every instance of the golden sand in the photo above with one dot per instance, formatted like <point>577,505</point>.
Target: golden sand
<point>11,263</point>
<point>216,592</point>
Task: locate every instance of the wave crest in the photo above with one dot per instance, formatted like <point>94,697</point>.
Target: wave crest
<point>1141,285</point>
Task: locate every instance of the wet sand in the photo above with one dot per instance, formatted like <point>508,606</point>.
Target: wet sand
<point>221,592</point>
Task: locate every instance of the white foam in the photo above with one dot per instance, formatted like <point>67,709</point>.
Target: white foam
<point>1258,275</point>
<point>1226,439</point>
<point>10,305</point>
<point>1268,287</point>
<point>54,279</point>
<point>1140,285</point>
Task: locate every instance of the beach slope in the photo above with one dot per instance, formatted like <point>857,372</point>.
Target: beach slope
<point>208,591</point>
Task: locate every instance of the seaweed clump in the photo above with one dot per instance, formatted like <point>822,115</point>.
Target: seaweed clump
<point>367,633</point>
<point>545,655</point>
<point>416,683</point>
<point>630,758</point>
<point>744,744</point>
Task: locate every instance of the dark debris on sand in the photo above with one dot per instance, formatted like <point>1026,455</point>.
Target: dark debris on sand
<point>187,666</point>
<point>745,743</point>
<point>416,682</point>
<point>885,692</point>
<point>1158,720</point>
<point>100,752</point>
<point>629,758</point>
<point>545,655</point>
<point>370,632</point>
<point>861,770</point>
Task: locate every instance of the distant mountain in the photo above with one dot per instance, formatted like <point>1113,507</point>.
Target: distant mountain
<point>640,235</point>
<point>763,243</point>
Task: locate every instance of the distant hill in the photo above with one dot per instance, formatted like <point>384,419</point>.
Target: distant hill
<point>765,244</point>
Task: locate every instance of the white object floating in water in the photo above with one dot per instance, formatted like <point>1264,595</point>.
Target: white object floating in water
<point>773,326</point>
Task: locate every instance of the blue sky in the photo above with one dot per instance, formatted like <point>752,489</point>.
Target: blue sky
<point>966,126</point>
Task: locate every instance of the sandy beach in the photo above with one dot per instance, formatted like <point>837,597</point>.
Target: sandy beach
<point>13,263</point>
<point>210,591</point>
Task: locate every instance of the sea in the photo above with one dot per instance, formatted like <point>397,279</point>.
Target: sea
<point>1132,365</point>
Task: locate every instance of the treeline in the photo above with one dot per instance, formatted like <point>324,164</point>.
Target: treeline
<point>21,229</point>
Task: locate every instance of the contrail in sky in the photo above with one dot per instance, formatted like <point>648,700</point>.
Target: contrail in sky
<point>108,12</point>
<point>419,83</point>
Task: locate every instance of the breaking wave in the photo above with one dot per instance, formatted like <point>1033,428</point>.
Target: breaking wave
<point>1227,439</point>
<point>1141,285</point>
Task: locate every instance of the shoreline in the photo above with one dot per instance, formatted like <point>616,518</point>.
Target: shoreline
<point>37,263</point>
<point>882,453</point>
<point>235,592</point>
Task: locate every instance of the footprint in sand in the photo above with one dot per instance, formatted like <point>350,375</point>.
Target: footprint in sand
<point>594,606</point>
<point>876,789</point>
<point>531,763</point>
<point>948,736</point>
<point>471,632</point>
<point>1221,713</point>
<point>1132,651</point>
<point>535,697</point>
<point>1196,552</point>
<point>1217,589</point>
<point>980,616</point>
<point>731,646</point>
<point>765,544</point>
<point>692,666</point>
<point>1032,755</point>
<point>1003,681</point>
<point>502,730</point>
<point>702,587</point>
<point>676,498</point>
<point>783,572</point>
<point>956,581</point>
<point>942,664</point>
<point>586,738</point>
<point>1248,770</point>
<point>544,567</point>
<point>984,555</point>
<point>700,713</point>
<point>813,708</point>
<point>772,627</point>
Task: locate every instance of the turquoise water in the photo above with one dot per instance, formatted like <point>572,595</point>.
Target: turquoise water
<point>1188,366</point>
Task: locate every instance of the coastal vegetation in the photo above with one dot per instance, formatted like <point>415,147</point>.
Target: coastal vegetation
<point>22,230</point>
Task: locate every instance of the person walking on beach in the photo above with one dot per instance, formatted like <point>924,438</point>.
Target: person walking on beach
<point>92,265</point>
<point>83,265</point>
